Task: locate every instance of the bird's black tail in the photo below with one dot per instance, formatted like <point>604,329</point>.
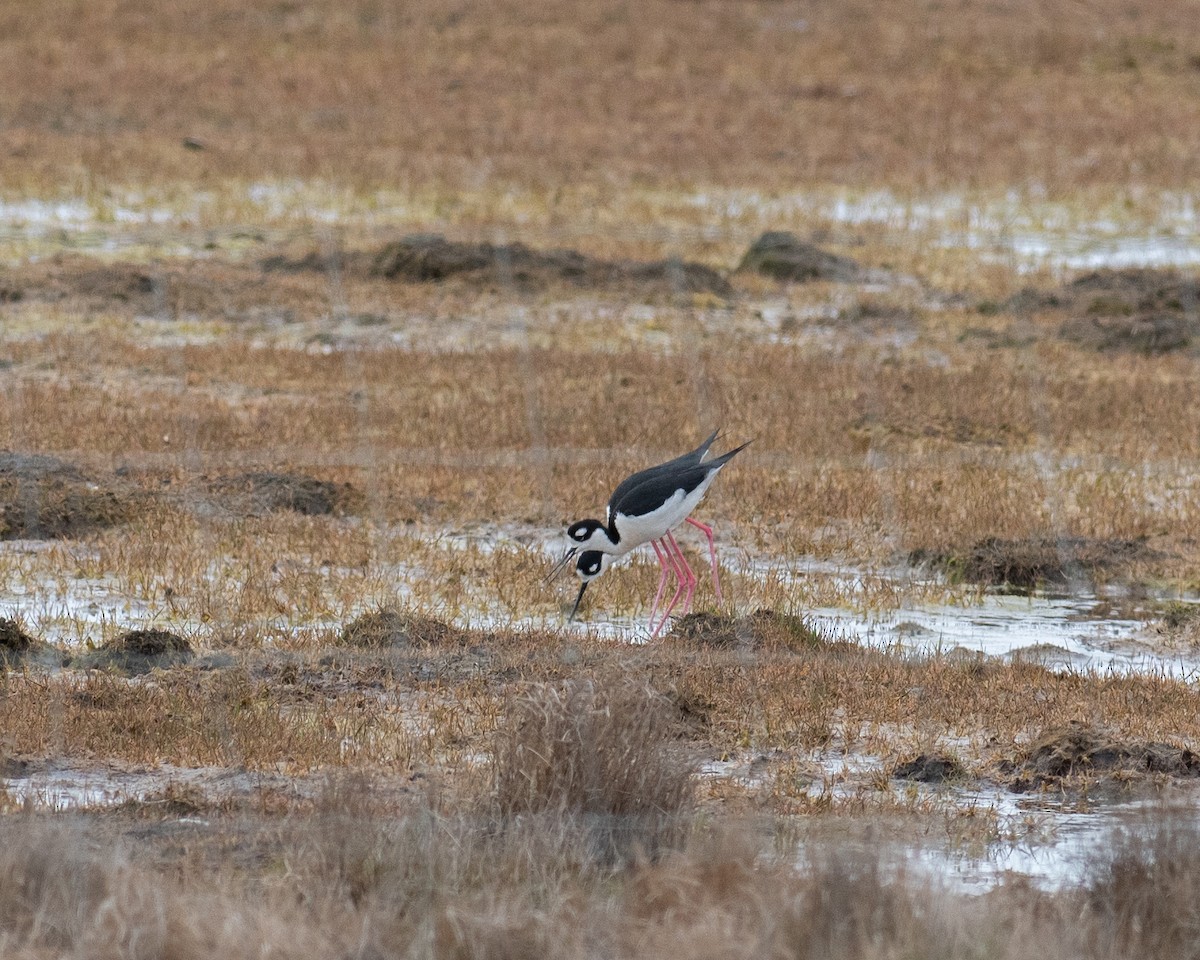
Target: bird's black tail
<point>724,458</point>
<point>702,451</point>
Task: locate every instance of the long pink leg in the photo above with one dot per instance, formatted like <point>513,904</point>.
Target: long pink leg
<point>667,567</point>
<point>712,554</point>
<point>688,573</point>
<point>687,582</point>
<point>680,580</point>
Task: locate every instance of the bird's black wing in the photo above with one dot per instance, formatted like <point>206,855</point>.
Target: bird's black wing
<point>653,492</point>
<point>662,484</point>
<point>671,466</point>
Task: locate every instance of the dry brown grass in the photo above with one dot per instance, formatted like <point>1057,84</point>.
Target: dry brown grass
<point>354,882</point>
<point>252,457</point>
<point>859,456</point>
<point>599,752</point>
<point>584,102</point>
<point>567,732</point>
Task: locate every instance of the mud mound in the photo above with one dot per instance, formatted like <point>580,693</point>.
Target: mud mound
<point>139,651</point>
<point>393,628</point>
<point>929,768</point>
<point>42,498</point>
<point>1136,310</point>
<point>17,648</point>
<point>97,285</point>
<point>1027,563</point>
<point>1083,751</point>
<point>784,256</point>
<point>1146,333</point>
<point>431,258</point>
<point>14,640</point>
<point>166,290</point>
<point>123,282</point>
<point>763,628</point>
<point>264,492</point>
<point>1179,623</point>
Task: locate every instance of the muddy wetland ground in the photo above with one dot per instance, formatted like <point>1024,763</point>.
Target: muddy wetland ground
<point>320,321</point>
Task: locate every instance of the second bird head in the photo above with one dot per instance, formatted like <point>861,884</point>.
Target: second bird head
<point>588,567</point>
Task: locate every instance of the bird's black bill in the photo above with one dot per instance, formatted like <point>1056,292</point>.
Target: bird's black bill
<point>575,609</point>
<point>561,564</point>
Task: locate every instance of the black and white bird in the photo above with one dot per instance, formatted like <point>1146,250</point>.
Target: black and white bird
<point>647,512</point>
<point>591,534</point>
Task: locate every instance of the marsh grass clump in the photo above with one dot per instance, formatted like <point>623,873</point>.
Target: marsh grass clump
<point>1179,623</point>
<point>1029,563</point>
<point>18,647</point>
<point>782,255</point>
<point>762,629</point>
<point>426,258</point>
<point>388,627</point>
<point>14,641</point>
<point>717,900</point>
<point>1134,310</point>
<point>43,498</point>
<point>139,651</point>
<point>599,753</point>
<point>64,891</point>
<point>930,768</point>
<point>261,492</point>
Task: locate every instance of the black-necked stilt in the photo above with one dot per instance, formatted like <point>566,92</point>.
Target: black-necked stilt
<point>647,512</point>
<point>593,535</point>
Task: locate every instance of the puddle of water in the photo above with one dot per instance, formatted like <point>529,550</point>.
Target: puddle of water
<point>1053,842</point>
<point>1060,632</point>
<point>62,788</point>
<point>1016,226</point>
<point>1053,846</point>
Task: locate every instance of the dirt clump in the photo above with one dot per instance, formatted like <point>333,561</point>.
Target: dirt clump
<point>784,256</point>
<point>1083,751</point>
<point>17,647</point>
<point>394,628</point>
<point>1179,623</point>
<point>758,630</point>
<point>166,290</point>
<point>930,768</point>
<point>1145,333</point>
<point>43,498</point>
<point>431,258</point>
<point>1135,310</point>
<point>139,651</point>
<point>93,284</point>
<point>14,640</point>
<point>265,492</point>
<point>1027,563</point>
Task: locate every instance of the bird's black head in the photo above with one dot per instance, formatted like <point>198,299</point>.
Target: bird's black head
<point>591,564</point>
<point>581,531</point>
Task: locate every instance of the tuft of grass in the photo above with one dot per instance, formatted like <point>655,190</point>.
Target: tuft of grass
<point>388,627</point>
<point>1142,898</point>
<point>601,752</point>
<point>762,629</point>
<point>139,651</point>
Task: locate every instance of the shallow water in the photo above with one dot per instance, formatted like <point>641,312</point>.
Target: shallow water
<point>1052,841</point>
<point>1055,845</point>
<point>1017,227</point>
